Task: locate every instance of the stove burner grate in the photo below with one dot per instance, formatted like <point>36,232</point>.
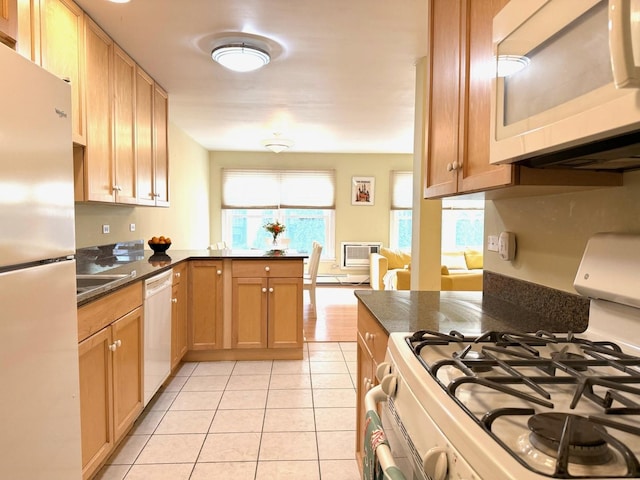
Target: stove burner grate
<point>584,443</point>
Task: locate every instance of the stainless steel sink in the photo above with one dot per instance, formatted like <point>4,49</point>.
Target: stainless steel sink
<point>86,283</point>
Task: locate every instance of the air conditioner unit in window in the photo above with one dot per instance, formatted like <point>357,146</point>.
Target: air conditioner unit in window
<point>356,254</point>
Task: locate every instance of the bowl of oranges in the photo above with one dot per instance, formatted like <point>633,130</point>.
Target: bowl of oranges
<point>159,244</point>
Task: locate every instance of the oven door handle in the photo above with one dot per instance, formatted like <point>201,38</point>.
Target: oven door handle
<point>383,452</point>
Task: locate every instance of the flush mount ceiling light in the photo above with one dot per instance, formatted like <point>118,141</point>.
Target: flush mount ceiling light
<point>277,144</point>
<point>240,57</point>
<point>510,64</point>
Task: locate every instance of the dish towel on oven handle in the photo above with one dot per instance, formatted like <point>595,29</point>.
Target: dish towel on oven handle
<point>374,437</point>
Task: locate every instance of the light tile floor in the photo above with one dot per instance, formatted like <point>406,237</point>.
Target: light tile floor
<point>248,420</point>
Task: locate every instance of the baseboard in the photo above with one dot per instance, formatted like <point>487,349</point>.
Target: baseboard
<point>342,279</point>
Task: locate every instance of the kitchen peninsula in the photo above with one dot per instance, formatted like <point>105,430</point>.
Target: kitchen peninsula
<point>237,305</point>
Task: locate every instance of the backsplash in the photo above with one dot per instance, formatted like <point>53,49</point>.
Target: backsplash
<point>100,258</point>
<point>569,308</point>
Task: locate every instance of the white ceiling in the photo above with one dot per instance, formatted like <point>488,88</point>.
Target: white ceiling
<point>341,79</point>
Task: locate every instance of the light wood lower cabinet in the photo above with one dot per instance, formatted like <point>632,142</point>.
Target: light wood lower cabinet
<point>8,22</point>
<point>205,304</point>
<point>179,310</point>
<point>267,304</point>
<point>371,348</point>
<point>111,372</point>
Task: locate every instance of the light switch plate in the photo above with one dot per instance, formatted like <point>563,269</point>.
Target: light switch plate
<point>105,228</point>
<point>492,243</point>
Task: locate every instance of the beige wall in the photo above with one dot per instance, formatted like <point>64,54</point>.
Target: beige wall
<point>552,230</point>
<point>186,221</point>
<point>353,223</point>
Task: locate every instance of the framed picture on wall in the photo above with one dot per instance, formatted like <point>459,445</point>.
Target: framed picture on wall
<point>362,190</point>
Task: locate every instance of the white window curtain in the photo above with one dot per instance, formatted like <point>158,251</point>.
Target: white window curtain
<point>278,188</point>
<point>401,190</point>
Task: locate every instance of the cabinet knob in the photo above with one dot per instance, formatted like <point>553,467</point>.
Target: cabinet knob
<point>219,272</point>
<point>112,347</point>
<point>156,195</point>
<point>118,343</point>
<point>174,300</point>
<point>369,336</point>
<point>177,274</point>
<point>116,188</point>
<point>264,290</point>
<point>456,165</point>
<point>271,290</point>
<point>266,269</point>
<point>366,382</point>
<point>449,167</point>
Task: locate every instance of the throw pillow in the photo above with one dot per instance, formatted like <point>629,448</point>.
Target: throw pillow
<point>473,259</point>
<point>454,260</point>
<point>444,270</point>
<point>395,258</point>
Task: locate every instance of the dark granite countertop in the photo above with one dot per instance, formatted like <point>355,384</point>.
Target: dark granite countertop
<point>470,313</point>
<point>142,264</point>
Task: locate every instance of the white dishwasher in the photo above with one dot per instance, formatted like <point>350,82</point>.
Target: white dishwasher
<point>157,332</point>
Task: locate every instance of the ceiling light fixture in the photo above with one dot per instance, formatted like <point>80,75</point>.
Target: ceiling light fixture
<point>240,57</point>
<point>277,144</point>
<point>510,64</point>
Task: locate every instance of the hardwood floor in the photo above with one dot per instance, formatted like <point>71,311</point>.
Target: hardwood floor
<point>336,319</point>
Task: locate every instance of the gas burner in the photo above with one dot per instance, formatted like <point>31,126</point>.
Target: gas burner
<point>468,354</point>
<point>564,355</point>
<point>586,444</point>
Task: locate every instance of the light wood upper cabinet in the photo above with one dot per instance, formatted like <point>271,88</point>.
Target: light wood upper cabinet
<point>160,146</point>
<point>144,137</point>
<point>59,48</point>
<point>457,140</point>
<point>152,142</point>
<point>99,181</point>
<point>458,112</point>
<point>124,112</point>
<point>8,22</point>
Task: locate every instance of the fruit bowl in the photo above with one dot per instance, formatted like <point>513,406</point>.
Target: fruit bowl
<point>159,247</point>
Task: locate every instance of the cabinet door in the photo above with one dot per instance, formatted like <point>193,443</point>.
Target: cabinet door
<point>160,146</point>
<point>444,83</point>
<point>96,407</point>
<point>124,88</point>
<point>205,305</point>
<point>179,320</point>
<point>99,172</point>
<point>366,380</point>
<point>62,53</point>
<point>285,313</point>
<point>477,173</point>
<point>249,317</point>
<point>144,137</point>
<point>8,22</point>
<point>128,393</point>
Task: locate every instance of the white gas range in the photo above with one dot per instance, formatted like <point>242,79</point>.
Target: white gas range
<point>510,405</point>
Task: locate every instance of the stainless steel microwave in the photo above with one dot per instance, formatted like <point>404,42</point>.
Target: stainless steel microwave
<point>573,98</point>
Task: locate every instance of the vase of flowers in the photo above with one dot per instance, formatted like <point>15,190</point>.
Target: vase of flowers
<point>275,229</point>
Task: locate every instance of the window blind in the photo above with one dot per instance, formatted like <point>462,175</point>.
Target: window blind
<point>248,188</point>
<point>401,190</point>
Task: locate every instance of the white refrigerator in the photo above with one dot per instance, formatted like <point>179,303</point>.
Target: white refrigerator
<point>39,404</point>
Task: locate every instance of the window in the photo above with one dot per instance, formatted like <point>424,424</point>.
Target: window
<point>462,224</point>
<point>303,200</point>
<point>401,214</point>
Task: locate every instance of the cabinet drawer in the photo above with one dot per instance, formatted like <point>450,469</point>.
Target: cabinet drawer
<point>374,336</point>
<point>96,315</point>
<point>267,268</point>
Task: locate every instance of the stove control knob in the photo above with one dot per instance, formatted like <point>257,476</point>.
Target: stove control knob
<point>383,370</point>
<point>389,384</point>
<point>435,463</point>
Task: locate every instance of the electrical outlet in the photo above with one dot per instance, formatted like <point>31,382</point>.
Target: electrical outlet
<point>492,243</point>
<point>105,228</point>
<point>132,227</point>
